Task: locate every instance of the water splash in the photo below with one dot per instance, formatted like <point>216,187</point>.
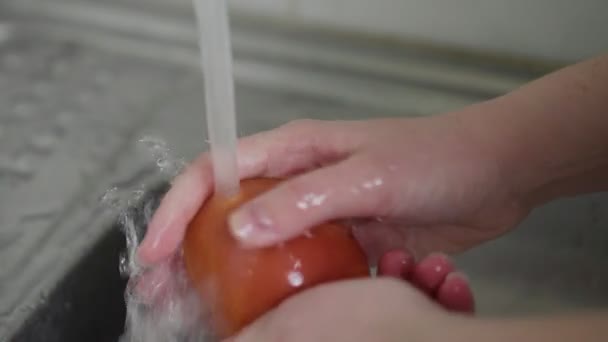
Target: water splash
<point>165,161</point>
<point>161,304</point>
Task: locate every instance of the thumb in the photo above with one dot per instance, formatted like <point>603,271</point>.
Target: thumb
<point>354,187</point>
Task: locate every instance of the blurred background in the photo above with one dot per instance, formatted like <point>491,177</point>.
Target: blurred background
<point>548,29</point>
<point>81,81</point>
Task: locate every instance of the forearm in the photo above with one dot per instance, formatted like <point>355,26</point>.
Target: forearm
<point>550,137</point>
<point>588,328</point>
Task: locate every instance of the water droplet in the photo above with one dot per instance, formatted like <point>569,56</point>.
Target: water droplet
<point>311,200</point>
<point>123,266</point>
<point>295,278</point>
<point>374,183</point>
<point>163,163</point>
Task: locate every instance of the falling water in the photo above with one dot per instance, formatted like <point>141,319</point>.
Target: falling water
<point>216,62</point>
<point>161,304</point>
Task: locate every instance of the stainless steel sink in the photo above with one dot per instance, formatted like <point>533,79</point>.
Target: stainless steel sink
<point>88,303</point>
<point>81,81</point>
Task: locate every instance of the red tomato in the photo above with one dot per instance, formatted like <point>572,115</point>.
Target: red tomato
<point>238,285</point>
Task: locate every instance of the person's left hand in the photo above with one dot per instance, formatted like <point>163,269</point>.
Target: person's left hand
<point>379,310</point>
<point>385,309</point>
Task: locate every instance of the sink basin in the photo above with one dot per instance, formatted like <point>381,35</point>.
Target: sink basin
<point>88,303</point>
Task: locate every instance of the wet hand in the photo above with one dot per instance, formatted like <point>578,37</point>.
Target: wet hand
<point>362,310</point>
<point>426,184</point>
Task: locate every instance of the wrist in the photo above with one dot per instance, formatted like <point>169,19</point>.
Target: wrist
<point>537,157</point>
<point>501,151</point>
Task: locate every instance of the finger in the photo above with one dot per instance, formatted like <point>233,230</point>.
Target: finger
<point>274,153</point>
<point>291,148</point>
<point>155,286</point>
<point>455,294</point>
<point>431,272</point>
<point>396,263</point>
<point>152,287</point>
<point>351,188</point>
<point>180,204</point>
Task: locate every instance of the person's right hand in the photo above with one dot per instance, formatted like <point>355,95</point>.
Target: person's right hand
<point>427,184</point>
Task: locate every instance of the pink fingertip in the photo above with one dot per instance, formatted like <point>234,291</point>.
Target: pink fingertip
<point>396,263</point>
<point>431,272</point>
<point>455,294</point>
<point>168,225</point>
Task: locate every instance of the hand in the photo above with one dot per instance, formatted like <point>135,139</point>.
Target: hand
<point>436,276</point>
<point>380,310</point>
<point>427,184</point>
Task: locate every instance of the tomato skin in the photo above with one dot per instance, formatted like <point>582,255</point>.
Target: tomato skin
<point>238,285</point>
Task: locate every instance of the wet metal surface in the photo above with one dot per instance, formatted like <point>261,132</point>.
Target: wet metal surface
<point>82,81</point>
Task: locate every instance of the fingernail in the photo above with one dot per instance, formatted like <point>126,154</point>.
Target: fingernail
<point>252,227</point>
